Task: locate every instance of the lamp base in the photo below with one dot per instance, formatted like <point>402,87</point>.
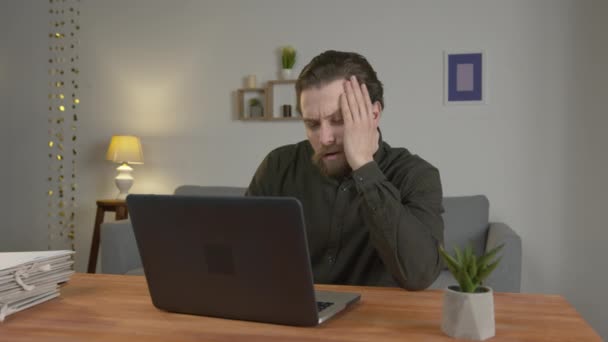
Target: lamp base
<point>124,180</point>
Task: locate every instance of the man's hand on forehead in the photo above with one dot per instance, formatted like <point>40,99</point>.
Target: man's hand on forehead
<point>360,124</point>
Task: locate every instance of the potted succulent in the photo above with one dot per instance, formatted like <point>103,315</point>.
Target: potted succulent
<point>255,108</point>
<point>468,308</point>
<point>288,59</point>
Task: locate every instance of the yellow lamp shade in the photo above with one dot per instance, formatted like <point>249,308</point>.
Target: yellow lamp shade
<point>125,149</point>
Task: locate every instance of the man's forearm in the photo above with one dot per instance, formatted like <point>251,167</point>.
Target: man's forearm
<point>406,236</point>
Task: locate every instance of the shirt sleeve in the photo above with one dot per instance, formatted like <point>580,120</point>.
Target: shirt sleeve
<point>260,183</point>
<point>407,229</point>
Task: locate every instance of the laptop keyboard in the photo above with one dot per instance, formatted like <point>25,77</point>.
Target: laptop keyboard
<point>323,305</point>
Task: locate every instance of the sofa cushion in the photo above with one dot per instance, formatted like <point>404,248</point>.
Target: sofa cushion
<point>136,271</point>
<point>466,221</point>
<point>195,190</point>
<point>444,280</point>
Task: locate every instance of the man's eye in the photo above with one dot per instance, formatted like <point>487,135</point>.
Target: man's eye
<point>312,125</point>
<point>337,121</point>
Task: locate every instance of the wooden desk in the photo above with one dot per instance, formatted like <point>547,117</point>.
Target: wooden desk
<point>103,206</point>
<point>96,307</point>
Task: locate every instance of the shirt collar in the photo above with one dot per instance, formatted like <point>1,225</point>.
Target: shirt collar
<point>382,148</point>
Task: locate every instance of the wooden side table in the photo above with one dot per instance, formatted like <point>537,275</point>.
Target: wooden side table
<point>122,212</point>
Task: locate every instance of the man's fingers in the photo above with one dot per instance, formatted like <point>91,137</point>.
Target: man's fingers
<point>368,101</point>
<point>352,101</point>
<point>363,112</point>
<point>346,113</point>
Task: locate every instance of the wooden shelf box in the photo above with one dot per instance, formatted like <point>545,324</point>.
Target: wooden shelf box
<point>244,96</point>
<point>273,98</point>
<point>278,94</point>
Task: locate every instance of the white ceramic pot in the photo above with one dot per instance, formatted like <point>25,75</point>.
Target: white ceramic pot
<point>256,111</point>
<point>468,315</point>
<point>286,74</point>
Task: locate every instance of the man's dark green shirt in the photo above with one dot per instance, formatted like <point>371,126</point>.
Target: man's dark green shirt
<point>381,225</point>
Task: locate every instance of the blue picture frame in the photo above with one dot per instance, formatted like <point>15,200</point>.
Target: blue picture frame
<point>464,77</point>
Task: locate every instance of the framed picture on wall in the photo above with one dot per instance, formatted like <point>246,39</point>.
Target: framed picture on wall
<point>465,77</point>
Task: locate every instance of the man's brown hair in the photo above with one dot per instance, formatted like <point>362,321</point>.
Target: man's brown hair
<point>333,65</point>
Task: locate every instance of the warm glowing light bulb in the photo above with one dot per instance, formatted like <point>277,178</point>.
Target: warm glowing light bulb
<point>62,108</point>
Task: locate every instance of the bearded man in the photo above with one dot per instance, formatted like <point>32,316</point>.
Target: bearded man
<point>372,212</point>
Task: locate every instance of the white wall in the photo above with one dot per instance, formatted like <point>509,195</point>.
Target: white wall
<point>585,235</point>
<point>23,131</point>
<point>4,114</point>
<point>167,71</point>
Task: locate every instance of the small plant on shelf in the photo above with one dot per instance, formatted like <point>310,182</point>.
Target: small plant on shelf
<point>255,108</point>
<point>288,57</point>
<point>254,102</point>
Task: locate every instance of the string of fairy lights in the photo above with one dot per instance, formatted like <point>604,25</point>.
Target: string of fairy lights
<point>63,69</point>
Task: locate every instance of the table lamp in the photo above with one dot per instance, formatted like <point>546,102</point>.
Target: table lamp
<point>125,149</point>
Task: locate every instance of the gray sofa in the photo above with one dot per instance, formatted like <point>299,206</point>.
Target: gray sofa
<point>466,221</point>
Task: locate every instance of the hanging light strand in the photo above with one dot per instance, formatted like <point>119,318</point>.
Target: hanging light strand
<point>64,102</point>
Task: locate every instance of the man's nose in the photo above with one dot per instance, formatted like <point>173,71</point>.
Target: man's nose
<point>327,135</point>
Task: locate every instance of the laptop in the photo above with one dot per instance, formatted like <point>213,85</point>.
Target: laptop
<point>243,258</point>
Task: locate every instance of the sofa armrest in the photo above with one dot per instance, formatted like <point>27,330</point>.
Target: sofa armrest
<point>507,276</point>
<point>119,253</point>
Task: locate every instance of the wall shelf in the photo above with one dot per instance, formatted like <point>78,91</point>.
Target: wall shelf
<point>274,96</point>
<point>245,95</point>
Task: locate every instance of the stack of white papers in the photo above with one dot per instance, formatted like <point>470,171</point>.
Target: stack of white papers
<point>30,278</point>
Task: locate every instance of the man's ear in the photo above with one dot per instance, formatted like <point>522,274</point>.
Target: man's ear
<point>377,111</point>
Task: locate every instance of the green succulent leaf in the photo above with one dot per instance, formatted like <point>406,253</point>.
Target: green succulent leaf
<point>452,263</point>
<point>488,270</point>
<point>468,255</point>
<point>472,268</point>
<point>466,284</point>
<point>459,256</point>
<point>485,259</point>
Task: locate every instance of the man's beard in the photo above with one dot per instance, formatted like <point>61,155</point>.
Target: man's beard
<point>336,168</point>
